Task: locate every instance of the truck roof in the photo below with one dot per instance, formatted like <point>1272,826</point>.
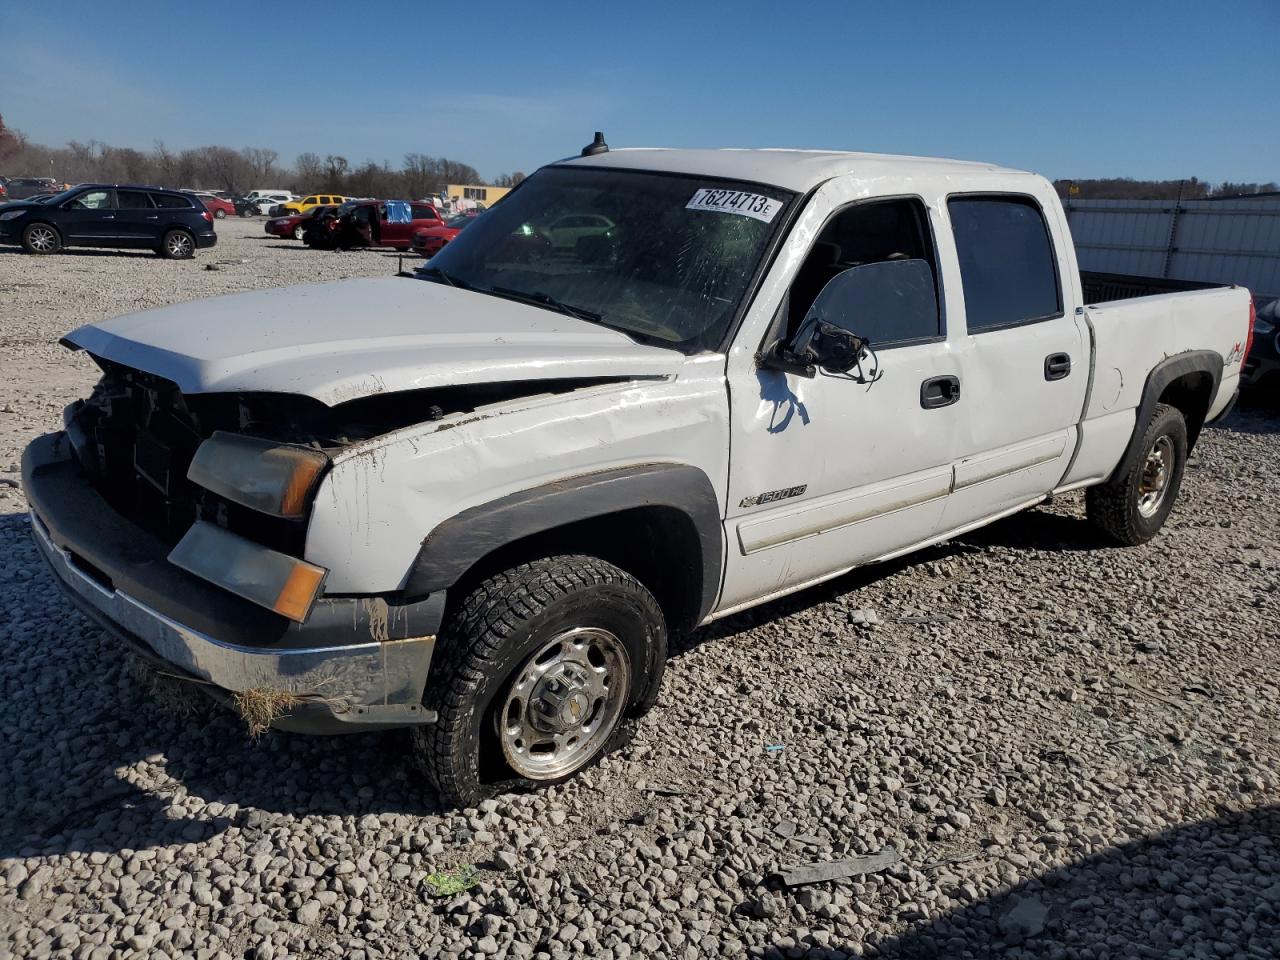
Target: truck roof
<point>799,170</point>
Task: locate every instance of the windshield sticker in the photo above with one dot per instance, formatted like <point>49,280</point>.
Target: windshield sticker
<point>736,201</point>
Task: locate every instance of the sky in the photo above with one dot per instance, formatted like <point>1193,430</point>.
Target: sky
<point>1082,89</point>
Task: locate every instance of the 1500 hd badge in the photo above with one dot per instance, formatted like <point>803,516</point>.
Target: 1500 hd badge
<point>771,495</point>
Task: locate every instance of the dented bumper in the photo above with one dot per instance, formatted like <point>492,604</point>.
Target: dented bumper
<point>356,663</point>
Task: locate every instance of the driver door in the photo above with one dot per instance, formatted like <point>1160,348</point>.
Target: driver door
<point>89,219</point>
<point>829,472</point>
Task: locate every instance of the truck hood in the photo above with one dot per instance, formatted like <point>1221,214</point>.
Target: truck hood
<point>348,339</point>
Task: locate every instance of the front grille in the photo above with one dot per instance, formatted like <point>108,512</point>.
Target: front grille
<point>139,436</point>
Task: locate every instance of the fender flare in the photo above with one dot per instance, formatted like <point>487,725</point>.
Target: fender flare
<point>457,543</point>
<point>1207,362</point>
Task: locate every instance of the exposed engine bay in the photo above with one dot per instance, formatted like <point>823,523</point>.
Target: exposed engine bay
<point>137,433</point>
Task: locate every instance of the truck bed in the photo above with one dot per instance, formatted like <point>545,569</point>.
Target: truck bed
<point>1110,287</point>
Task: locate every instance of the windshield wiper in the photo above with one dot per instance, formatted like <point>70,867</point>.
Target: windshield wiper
<point>447,278</point>
<point>546,300</point>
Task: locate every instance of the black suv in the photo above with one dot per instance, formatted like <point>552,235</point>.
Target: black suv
<point>171,223</point>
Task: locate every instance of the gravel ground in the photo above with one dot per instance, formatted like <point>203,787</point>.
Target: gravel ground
<point>1073,750</point>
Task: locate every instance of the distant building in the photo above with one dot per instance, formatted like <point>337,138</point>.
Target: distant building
<point>476,193</point>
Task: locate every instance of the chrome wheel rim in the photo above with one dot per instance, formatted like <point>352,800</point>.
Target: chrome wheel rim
<point>180,245</point>
<point>1154,482</point>
<point>297,233</point>
<point>41,238</point>
<point>564,702</point>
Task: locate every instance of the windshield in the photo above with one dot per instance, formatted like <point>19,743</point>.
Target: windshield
<point>665,259</point>
<point>58,197</point>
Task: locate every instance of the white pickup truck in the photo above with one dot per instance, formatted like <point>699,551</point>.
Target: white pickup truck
<point>646,390</point>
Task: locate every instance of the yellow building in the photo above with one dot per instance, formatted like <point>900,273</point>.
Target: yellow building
<point>479,193</point>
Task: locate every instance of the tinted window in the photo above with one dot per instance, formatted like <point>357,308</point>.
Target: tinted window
<point>132,200</point>
<point>888,302</point>
<point>865,233</point>
<point>92,200</point>
<point>421,212</point>
<point>170,201</point>
<point>1006,261</point>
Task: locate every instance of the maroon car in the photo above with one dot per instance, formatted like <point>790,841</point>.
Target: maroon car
<point>295,224</point>
<point>428,241</point>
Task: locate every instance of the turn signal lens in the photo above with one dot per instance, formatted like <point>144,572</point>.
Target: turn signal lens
<point>299,591</point>
<point>272,478</point>
<point>274,580</point>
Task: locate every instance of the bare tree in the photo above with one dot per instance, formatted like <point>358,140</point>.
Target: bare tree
<point>11,141</point>
<point>226,167</point>
<point>308,170</point>
<point>335,172</point>
<point>261,162</point>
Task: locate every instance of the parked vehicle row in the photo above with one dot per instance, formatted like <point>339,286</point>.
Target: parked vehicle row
<point>25,188</point>
<point>125,216</point>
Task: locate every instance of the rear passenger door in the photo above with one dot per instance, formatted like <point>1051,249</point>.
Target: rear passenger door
<point>1024,361</point>
<point>137,219</point>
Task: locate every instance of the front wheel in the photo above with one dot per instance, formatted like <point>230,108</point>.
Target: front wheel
<point>299,232</point>
<point>177,245</point>
<point>40,238</point>
<point>1132,508</point>
<point>537,673</point>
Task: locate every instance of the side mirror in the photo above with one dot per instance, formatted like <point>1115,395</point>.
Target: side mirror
<point>818,344</point>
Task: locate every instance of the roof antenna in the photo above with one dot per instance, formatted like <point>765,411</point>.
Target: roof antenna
<point>595,146</point>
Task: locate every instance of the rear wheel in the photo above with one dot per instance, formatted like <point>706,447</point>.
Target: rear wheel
<point>177,245</point>
<point>41,238</point>
<point>1132,508</point>
<point>220,214</point>
<point>536,675</point>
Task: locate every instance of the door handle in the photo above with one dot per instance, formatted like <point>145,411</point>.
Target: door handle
<point>1057,366</point>
<point>939,392</point>
<point>153,216</point>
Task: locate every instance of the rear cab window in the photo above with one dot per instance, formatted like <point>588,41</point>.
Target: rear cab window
<point>1008,267</point>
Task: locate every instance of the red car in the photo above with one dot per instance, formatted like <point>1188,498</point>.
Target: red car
<point>219,207</point>
<point>365,224</point>
<point>429,241</point>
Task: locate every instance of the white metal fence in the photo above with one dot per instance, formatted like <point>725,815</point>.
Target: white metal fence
<point>1219,241</point>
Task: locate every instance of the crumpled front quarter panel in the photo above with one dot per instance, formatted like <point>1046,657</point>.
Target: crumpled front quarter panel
<point>383,497</point>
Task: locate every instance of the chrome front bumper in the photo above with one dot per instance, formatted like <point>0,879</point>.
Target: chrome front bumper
<point>334,689</point>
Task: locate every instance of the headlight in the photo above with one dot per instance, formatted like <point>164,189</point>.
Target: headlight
<point>12,214</point>
<point>272,478</point>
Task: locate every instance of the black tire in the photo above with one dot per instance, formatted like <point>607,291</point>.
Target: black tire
<point>41,239</point>
<point>220,214</point>
<point>299,232</point>
<point>490,640</point>
<point>177,245</point>
<point>1117,507</point>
